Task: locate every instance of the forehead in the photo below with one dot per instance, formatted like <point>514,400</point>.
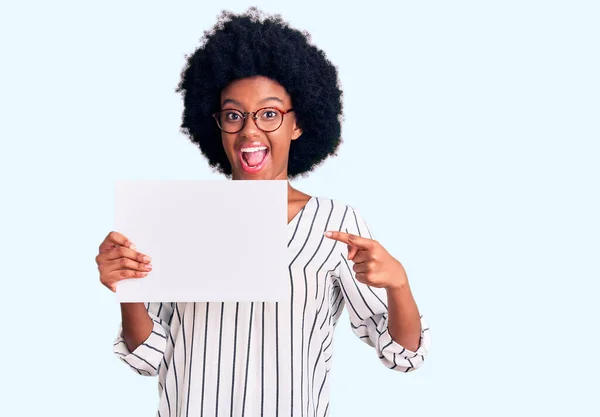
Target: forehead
<point>253,91</point>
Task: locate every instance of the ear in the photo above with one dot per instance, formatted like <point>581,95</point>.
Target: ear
<point>297,132</point>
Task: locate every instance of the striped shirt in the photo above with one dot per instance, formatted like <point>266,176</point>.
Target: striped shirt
<point>271,359</point>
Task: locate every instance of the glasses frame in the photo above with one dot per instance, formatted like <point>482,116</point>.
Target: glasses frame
<point>254,117</point>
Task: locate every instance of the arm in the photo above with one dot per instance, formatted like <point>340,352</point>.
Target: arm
<point>136,323</point>
<point>143,334</point>
<point>379,300</point>
<point>404,322</point>
<point>142,337</point>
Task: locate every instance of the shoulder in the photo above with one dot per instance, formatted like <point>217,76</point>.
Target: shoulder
<point>332,202</point>
<point>345,217</point>
<point>343,212</point>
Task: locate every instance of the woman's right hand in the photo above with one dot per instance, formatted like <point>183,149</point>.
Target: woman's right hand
<point>118,259</point>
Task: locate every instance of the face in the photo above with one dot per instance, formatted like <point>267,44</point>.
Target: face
<point>253,153</point>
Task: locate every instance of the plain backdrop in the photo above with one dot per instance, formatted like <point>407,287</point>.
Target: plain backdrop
<point>471,147</point>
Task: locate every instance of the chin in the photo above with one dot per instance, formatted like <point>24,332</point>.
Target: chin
<point>254,176</point>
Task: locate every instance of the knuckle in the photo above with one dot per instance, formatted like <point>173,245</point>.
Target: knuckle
<point>122,262</point>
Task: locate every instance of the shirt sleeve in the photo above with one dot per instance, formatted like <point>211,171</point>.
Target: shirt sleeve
<point>367,308</point>
<point>146,358</point>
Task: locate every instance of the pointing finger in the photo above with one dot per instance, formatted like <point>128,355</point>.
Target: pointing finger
<point>350,239</point>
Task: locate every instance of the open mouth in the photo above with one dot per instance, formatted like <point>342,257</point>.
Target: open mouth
<point>253,158</point>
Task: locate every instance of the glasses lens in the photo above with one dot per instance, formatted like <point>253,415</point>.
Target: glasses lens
<point>269,119</point>
<point>231,120</point>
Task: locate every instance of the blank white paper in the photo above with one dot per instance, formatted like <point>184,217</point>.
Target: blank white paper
<point>208,240</point>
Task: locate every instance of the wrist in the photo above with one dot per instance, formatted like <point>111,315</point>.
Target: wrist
<point>398,288</point>
<point>400,281</point>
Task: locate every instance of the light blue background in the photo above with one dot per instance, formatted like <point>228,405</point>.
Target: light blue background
<point>481,177</point>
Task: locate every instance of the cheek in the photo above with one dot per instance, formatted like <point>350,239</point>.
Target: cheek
<point>282,138</point>
<point>228,145</point>
<point>280,144</point>
<point>227,142</point>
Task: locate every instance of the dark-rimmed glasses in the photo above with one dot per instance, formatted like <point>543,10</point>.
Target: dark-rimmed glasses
<point>267,119</point>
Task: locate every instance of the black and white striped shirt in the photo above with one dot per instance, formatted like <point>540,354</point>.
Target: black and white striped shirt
<point>271,359</point>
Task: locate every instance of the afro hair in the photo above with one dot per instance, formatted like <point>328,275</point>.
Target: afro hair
<point>250,44</point>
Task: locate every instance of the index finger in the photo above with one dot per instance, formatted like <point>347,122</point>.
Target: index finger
<point>350,239</point>
<point>115,238</point>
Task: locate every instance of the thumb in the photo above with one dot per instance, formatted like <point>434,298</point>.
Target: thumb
<point>352,251</point>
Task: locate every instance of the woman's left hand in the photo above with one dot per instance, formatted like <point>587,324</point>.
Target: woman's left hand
<point>373,265</point>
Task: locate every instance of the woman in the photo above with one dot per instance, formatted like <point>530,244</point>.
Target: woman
<point>262,103</point>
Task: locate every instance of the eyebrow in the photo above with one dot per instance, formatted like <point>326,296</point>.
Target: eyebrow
<point>232,101</point>
<point>237,103</point>
<point>272,98</point>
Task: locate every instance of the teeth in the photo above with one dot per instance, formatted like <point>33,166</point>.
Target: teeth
<point>255,149</point>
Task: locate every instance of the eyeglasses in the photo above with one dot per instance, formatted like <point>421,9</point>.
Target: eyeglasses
<point>267,119</point>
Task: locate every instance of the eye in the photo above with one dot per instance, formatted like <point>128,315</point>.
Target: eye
<point>232,116</point>
<point>269,114</point>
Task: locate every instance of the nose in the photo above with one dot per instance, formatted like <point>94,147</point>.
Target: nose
<point>250,128</point>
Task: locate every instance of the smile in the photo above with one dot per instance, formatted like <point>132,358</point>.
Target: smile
<point>253,158</point>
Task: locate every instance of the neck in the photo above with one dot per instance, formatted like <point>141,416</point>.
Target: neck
<point>293,194</point>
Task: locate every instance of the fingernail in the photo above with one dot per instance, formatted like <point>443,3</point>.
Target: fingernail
<point>328,234</point>
<point>149,267</point>
<point>132,247</point>
<point>147,258</point>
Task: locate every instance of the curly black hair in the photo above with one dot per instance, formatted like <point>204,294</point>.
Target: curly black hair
<point>250,44</point>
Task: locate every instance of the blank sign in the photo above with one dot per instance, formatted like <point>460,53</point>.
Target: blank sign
<point>208,240</point>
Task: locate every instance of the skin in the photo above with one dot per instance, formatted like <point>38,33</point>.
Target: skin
<point>374,266</point>
<point>118,258</point>
<point>250,94</point>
